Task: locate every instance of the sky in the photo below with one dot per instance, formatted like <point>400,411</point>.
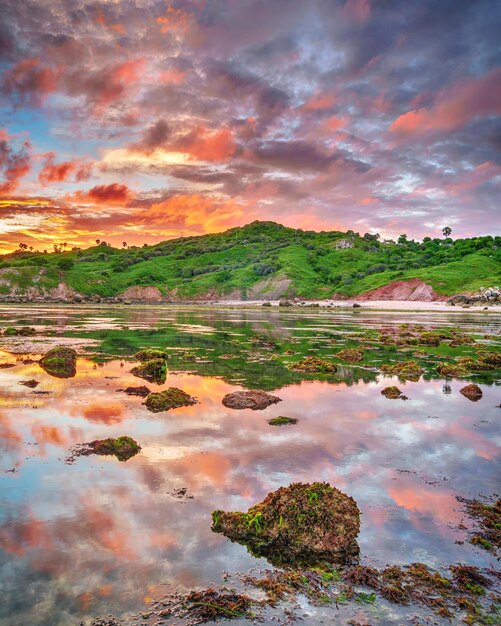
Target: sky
<point>141,120</point>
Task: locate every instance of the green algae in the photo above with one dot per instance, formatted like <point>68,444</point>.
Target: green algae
<point>282,420</point>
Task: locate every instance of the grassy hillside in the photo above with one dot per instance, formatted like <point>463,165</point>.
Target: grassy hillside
<point>253,259</point>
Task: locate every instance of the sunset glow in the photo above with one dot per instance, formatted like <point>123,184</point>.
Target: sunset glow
<point>142,120</point>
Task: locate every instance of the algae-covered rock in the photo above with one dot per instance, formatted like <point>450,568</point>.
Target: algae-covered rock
<point>154,371</point>
<point>491,358</point>
<point>150,353</point>
<point>351,355</point>
<point>430,338</point>
<point>472,392</point>
<point>393,393</point>
<point>406,370</point>
<point>141,391</point>
<point>302,524</point>
<point>451,370</point>
<point>23,331</point>
<point>312,364</point>
<point>60,362</point>
<point>282,420</point>
<point>123,448</point>
<point>255,400</point>
<point>171,398</point>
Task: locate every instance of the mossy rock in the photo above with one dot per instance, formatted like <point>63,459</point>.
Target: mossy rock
<point>299,525</point>
<point>171,398</point>
<point>472,392</point>
<point>430,338</point>
<point>451,370</point>
<point>393,393</point>
<point>282,420</point>
<point>60,362</point>
<point>123,448</point>
<point>154,371</point>
<point>150,353</point>
<point>313,364</point>
<point>469,364</point>
<point>255,399</point>
<point>23,331</point>
<point>491,358</point>
<point>351,355</point>
<point>406,370</point>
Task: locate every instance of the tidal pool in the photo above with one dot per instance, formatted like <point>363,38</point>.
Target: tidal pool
<point>99,536</point>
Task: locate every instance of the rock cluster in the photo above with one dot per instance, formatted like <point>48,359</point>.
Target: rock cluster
<point>490,295</point>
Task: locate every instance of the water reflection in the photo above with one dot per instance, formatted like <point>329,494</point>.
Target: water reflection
<point>101,536</point>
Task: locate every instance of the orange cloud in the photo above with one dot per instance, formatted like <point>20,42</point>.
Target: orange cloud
<point>172,77</point>
<point>175,21</point>
<point>454,107</point>
<point>59,172</point>
<point>111,413</point>
<point>207,145</point>
<point>114,194</point>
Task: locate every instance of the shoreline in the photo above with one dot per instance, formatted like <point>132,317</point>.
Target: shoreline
<point>413,306</point>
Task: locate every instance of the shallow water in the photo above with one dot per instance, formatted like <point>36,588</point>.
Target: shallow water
<point>99,536</point>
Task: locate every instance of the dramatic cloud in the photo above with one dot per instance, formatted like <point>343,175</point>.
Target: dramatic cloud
<point>375,116</point>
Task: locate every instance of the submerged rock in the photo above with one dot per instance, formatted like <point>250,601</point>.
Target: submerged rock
<point>60,362</point>
<point>150,353</point>
<point>406,370</point>
<point>451,370</point>
<point>154,371</point>
<point>312,364</point>
<point>171,398</point>
<point>255,400</point>
<point>393,393</point>
<point>282,420</point>
<point>351,355</point>
<point>123,448</point>
<point>296,525</point>
<point>472,392</point>
<point>32,383</point>
<point>141,391</point>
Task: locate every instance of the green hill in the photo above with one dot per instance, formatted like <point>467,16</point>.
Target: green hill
<point>258,261</point>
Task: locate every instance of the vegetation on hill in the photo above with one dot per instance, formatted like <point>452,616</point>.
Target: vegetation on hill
<point>255,258</point>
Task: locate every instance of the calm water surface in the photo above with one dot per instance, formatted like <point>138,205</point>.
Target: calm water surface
<point>99,536</point>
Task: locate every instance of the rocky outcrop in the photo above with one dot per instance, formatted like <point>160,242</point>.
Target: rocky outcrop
<point>472,392</point>
<point>413,289</point>
<point>60,362</point>
<point>255,400</point>
<point>141,294</point>
<point>171,398</point>
<point>299,524</point>
<point>491,295</point>
<point>154,371</point>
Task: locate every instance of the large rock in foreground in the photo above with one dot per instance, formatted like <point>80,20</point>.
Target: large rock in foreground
<point>60,362</point>
<point>255,400</point>
<point>300,525</point>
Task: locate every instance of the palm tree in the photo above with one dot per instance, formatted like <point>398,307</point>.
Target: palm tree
<point>446,232</point>
<point>124,244</point>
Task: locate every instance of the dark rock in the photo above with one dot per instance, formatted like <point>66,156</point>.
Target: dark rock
<point>142,391</point>
<point>32,383</point>
<point>356,305</point>
<point>255,400</point>
<point>472,392</point>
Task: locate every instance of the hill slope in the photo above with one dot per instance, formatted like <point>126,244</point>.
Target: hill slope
<point>262,260</point>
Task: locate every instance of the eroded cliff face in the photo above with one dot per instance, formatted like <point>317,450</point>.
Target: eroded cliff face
<point>142,294</point>
<point>413,289</point>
